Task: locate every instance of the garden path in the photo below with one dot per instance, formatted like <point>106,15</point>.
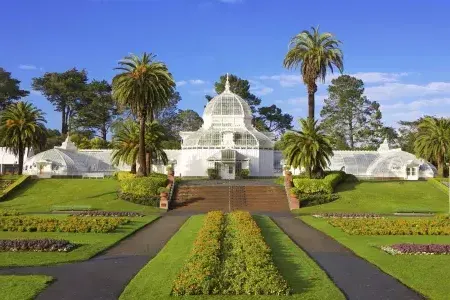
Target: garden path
<point>105,276</point>
<point>357,278</point>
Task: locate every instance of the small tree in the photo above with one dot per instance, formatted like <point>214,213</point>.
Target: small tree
<point>22,126</point>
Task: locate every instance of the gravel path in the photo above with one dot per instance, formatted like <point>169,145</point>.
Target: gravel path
<point>105,276</point>
<point>357,278</point>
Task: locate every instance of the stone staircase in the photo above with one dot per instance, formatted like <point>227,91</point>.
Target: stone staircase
<point>229,198</point>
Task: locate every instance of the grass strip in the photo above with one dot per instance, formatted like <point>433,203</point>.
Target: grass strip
<point>15,287</point>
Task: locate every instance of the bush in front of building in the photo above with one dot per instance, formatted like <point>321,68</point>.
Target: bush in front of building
<point>244,173</point>
<point>318,186</point>
<point>142,190</point>
<point>213,173</point>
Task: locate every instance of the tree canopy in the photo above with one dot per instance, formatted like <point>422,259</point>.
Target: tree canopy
<point>9,89</point>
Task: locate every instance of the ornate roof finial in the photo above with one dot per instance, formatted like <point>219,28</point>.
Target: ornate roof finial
<point>227,85</point>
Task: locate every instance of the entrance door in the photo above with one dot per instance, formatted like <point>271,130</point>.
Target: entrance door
<point>227,171</point>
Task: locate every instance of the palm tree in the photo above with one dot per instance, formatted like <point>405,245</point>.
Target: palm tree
<point>144,87</point>
<point>315,53</point>
<point>22,126</point>
<point>126,143</point>
<point>309,148</point>
<point>433,140</point>
<point>154,137</point>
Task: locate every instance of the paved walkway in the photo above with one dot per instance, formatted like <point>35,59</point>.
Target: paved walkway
<point>105,276</point>
<point>357,278</point>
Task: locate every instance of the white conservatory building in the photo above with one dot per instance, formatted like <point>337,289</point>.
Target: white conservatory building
<point>228,142</point>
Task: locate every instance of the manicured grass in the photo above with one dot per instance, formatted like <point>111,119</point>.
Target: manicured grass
<point>14,287</point>
<point>42,194</point>
<point>427,274</point>
<point>385,197</point>
<point>306,279</point>
<point>90,244</point>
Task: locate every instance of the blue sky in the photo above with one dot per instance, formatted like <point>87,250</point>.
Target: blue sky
<point>400,49</point>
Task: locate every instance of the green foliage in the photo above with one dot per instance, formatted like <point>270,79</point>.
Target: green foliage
<point>274,120</point>
<point>309,148</point>
<point>122,175</point>
<point>314,53</point>
<point>69,224</point>
<point>316,199</point>
<point>147,200</point>
<point>143,186</point>
<point>318,186</point>
<point>433,141</point>
<point>163,190</point>
<point>9,89</point>
<point>199,274</point>
<point>426,226</point>
<point>213,173</point>
<point>8,212</point>
<point>244,173</point>
<point>349,117</point>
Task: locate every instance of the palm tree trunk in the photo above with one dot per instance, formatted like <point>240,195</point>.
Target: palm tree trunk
<point>440,164</point>
<point>21,154</point>
<point>142,170</point>
<point>133,168</point>
<point>312,89</point>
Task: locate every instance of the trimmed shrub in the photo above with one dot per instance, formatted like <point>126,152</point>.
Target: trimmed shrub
<point>122,175</point>
<point>244,173</point>
<point>213,173</point>
<point>101,213</point>
<point>149,200</point>
<point>199,276</point>
<point>143,186</point>
<point>70,224</point>
<point>316,186</point>
<point>37,245</point>
<point>370,226</point>
<point>8,212</point>
<point>316,199</point>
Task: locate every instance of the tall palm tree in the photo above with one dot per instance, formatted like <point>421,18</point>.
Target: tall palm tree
<point>433,140</point>
<point>309,148</point>
<point>154,137</point>
<point>126,143</point>
<point>144,86</point>
<point>22,126</point>
<point>314,53</point>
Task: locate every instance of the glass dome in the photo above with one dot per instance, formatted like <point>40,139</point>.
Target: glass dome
<point>227,124</point>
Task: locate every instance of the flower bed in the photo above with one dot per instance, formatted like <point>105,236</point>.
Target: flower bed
<point>230,257</point>
<point>69,224</point>
<point>37,245</point>
<point>347,215</point>
<point>101,213</point>
<point>8,212</point>
<point>200,273</point>
<point>417,249</point>
<point>428,226</point>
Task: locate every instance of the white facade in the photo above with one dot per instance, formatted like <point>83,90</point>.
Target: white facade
<point>9,161</point>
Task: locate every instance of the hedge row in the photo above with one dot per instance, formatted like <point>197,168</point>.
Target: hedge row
<point>316,199</point>
<point>37,245</point>
<point>429,226</point>
<point>248,267</point>
<point>101,213</point>
<point>417,249</point>
<point>199,276</point>
<point>69,224</point>
<point>8,212</point>
<point>317,186</point>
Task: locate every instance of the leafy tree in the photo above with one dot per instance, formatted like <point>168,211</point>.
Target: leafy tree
<point>22,126</point>
<point>188,120</point>
<point>240,87</point>
<point>64,90</point>
<point>54,138</point>
<point>349,116</point>
<point>126,143</point>
<point>155,135</point>
<point>171,144</point>
<point>273,119</point>
<point>433,140</point>
<point>144,86</point>
<point>168,114</point>
<point>9,89</point>
<point>97,109</point>
<point>314,53</point>
<point>308,148</point>
<point>391,135</point>
<point>408,133</point>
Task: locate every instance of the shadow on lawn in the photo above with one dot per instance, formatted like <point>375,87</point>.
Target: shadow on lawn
<point>21,190</point>
<point>102,194</point>
<point>290,265</point>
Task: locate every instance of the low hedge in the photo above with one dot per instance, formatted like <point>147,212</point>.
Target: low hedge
<point>199,276</point>
<point>143,186</point>
<point>101,213</point>
<point>37,245</point>
<point>315,199</point>
<point>122,175</point>
<point>13,186</point>
<point>149,200</point>
<point>316,186</point>
<point>8,212</point>
<point>248,266</point>
<point>69,224</point>
<point>370,226</point>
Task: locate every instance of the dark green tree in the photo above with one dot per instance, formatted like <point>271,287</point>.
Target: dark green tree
<point>9,89</point>
<point>97,110</point>
<point>349,117</point>
<point>188,120</point>
<point>64,90</point>
<point>273,119</point>
<point>168,114</point>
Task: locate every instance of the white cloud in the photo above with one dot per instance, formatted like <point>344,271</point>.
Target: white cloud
<point>263,91</point>
<point>36,93</point>
<point>389,91</point>
<point>27,67</point>
<point>181,83</point>
<point>302,100</point>
<point>259,89</point>
<point>197,81</point>
<point>285,80</point>
<point>377,77</point>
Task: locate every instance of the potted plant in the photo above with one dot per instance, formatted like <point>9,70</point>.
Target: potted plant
<point>169,170</point>
<point>293,192</point>
<point>287,170</point>
<point>163,192</point>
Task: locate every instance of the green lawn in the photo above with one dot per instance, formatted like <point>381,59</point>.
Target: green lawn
<point>22,287</point>
<point>384,197</point>
<point>91,244</point>
<point>307,280</point>
<point>42,194</point>
<point>427,274</point>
